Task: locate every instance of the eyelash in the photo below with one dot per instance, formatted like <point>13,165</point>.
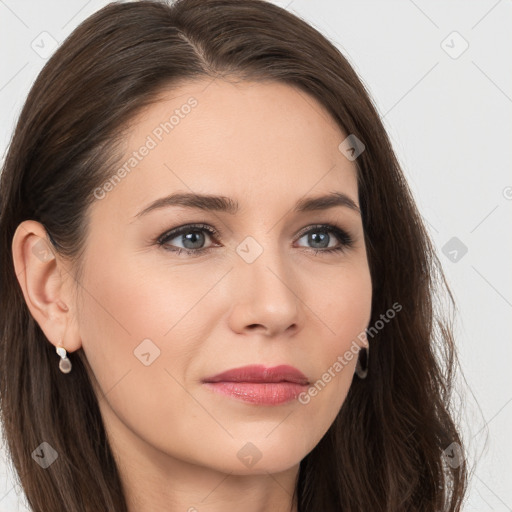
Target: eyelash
<point>346,241</point>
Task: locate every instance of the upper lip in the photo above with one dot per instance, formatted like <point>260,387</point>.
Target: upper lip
<point>260,373</point>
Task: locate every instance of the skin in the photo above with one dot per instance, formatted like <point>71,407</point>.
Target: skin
<point>176,442</point>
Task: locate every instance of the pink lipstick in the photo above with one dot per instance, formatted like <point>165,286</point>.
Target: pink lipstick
<point>258,384</point>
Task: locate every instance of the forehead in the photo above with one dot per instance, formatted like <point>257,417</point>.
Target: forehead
<point>253,141</point>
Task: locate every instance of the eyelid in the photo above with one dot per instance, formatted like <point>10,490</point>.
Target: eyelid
<point>326,225</point>
<point>186,228</point>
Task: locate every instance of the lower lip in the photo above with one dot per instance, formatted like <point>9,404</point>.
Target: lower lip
<point>267,393</point>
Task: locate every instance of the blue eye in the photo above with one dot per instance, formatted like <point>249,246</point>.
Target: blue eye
<point>345,240</point>
<point>192,236</point>
<point>196,230</point>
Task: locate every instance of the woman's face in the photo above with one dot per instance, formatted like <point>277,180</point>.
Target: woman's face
<point>154,324</point>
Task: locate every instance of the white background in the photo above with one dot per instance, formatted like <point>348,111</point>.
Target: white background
<point>450,120</point>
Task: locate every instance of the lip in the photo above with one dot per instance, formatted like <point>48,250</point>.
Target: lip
<point>261,374</point>
<point>259,384</point>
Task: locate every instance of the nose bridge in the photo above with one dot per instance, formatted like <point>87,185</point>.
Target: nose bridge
<point>264,282</point>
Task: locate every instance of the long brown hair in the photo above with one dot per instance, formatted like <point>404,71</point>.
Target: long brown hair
<point>385,450</point>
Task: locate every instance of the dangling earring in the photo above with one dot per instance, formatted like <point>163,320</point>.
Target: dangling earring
<point>362,371</point>
<point>64,363</point>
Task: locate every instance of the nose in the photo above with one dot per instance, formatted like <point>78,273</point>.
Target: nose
<point>264,295</point>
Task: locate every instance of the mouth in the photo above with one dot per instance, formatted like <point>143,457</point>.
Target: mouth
<point>258,384</point>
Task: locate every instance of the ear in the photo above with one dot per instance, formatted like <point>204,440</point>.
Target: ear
<point>46,284</point>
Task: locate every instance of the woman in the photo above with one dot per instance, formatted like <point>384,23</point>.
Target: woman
<point>202,215</point>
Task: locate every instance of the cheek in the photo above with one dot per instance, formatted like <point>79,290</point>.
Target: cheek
<point>343,311</point>
<point>138,339</point>
<point>137,302</point>
<point>135,313</point>
<point>343,308</point>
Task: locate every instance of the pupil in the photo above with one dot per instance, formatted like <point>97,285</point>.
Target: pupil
<point>191,237</point>
<point>314,236</point>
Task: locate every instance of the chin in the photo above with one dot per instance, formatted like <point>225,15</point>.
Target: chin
<point>259,457</point>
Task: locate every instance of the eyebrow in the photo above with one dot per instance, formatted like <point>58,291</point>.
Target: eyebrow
<point>225,204</point>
